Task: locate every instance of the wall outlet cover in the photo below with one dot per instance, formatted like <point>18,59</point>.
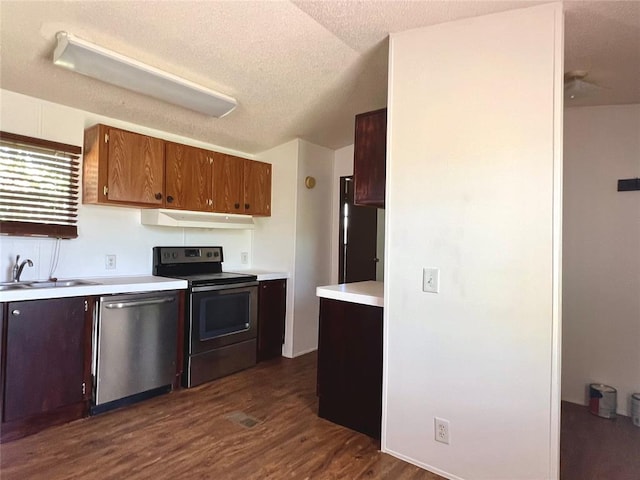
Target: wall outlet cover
<point>110,262</point>
<point>441,430</point>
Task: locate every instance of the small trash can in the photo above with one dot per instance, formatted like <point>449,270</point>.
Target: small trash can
<point>602,400</point>
<point>635,409</point>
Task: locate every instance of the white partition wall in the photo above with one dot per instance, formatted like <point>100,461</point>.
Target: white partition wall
<point>474,189</point>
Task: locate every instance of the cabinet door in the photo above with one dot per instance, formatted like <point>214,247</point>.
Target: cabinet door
<point>369,158</point>
<point>135,168</point>
<point>350,365</point>
<point>257,188</point>
<point>44,367</point>
<point>227,183</point>
<point>272,307</point>
<point>188,173</point>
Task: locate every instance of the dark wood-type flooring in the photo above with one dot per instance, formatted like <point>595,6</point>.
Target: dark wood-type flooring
<point>594,448</point>
<point>186,434</point>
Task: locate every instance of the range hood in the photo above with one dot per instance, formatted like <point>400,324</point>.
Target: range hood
<point>186,219</point>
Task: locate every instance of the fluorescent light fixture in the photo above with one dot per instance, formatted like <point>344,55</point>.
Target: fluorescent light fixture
<point>111,67</point>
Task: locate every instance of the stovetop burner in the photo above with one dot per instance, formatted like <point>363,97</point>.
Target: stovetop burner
<point>197,265</point>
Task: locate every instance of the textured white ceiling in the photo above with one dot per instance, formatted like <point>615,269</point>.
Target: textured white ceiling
<point>297,69</point>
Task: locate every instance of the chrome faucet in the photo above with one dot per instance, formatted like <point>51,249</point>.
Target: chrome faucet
<point>18,267</point>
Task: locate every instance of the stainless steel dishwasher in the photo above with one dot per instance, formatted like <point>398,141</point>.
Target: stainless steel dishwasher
<point>134,353</point>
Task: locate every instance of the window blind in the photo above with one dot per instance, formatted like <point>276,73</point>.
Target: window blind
<point>38,187</point>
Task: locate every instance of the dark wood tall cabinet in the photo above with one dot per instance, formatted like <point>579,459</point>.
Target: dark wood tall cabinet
<point>349,383</point>
<point>46,364</point>
<point>272,307</point>
<point>369,158</point>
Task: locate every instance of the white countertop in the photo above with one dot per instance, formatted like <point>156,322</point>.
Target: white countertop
<point>365,293</point>
<point>262,274</point>
<point>106,285</point>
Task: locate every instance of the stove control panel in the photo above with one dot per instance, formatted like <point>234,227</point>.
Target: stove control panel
<point>167,255</point>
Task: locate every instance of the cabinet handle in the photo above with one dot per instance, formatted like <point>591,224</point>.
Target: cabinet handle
<point>236,205</point>
<point>246,206</point>
<point>158,196</point>
<point>15,312</point>
<point>169,199</point>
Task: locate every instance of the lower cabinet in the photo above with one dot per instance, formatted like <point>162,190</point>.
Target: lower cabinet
<point>349,382</point>
<point>272,307</point>
<point>46,364</point>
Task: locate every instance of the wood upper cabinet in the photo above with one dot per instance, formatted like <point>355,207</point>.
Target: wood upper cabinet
<point>129,169</point>
<point>227,184</point>
<point>369,158</point>
<point>123,168</point>
<point>189,178</point>
<point>257,188</point>
<point>46,364</point>
<point>241,186</point>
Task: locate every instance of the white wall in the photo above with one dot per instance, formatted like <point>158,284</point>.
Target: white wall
<point>101,230</point>
<point>298,235</point>
<point>313,242</point>
<point>274,239</point>
<point>601,258</point>
<point>473,161</point>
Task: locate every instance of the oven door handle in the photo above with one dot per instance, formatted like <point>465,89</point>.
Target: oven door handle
<point>140,303</point>
<point>226,286</point>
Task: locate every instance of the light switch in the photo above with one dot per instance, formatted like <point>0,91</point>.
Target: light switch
<point>431,280</point>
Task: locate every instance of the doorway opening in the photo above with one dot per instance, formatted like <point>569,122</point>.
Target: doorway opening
<point>358,232</point>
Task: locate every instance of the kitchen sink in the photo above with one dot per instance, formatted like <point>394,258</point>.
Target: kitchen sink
<point>11,286</point>
<point>59,283</point>
<point>45,284</point>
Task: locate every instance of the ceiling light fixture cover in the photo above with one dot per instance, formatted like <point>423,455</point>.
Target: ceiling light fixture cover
<point>94,61</point>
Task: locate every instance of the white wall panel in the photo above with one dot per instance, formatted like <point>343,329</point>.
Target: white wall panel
<point>471,166</point>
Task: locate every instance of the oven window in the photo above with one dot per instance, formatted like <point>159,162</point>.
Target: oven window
<point>223,314</point>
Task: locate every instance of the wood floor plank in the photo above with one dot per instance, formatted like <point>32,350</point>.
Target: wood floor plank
<point>595,448</point>
<point>185,435</point>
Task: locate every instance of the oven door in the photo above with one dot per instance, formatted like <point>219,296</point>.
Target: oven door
<point>222,315</point>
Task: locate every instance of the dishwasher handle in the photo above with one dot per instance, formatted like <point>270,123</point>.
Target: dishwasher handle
<point>140,303</point>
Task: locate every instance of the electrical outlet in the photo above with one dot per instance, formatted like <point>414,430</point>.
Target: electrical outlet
<point>244,257</point>
<point>110,262</point>
<point>441,430</point>
<point>431,280</point>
